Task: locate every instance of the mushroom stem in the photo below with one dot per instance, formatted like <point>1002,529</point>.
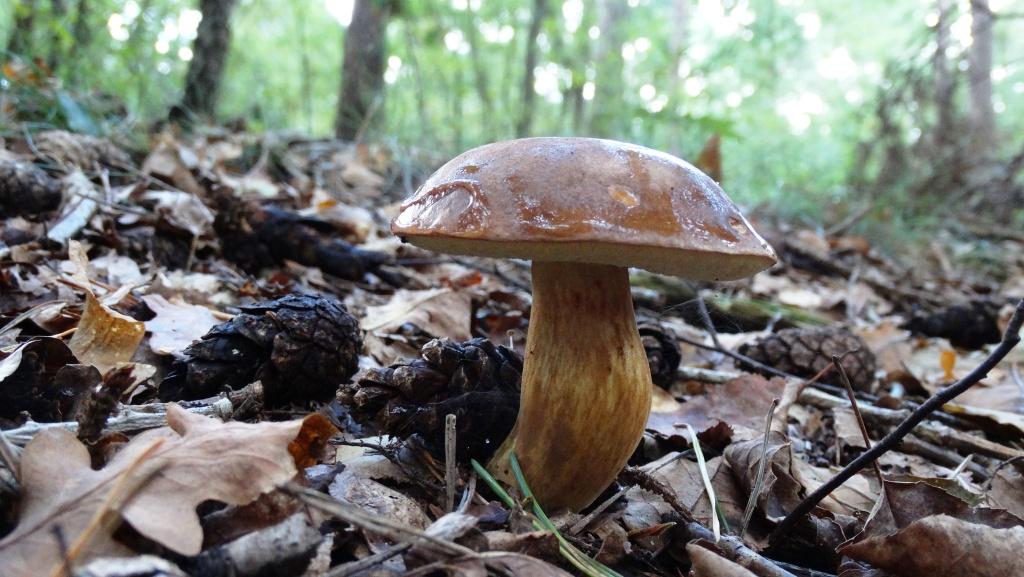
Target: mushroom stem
<point>586,388</point>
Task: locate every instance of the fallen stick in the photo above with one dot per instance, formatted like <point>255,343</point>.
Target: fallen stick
<point>1010,339</point>
<point>132,418</point>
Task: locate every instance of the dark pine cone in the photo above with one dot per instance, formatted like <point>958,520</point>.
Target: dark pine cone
<point>804,352</point>
<point>662,352</point>
<point>26,190</point>
<point>970,325</point>
<point>300,346</point>
<point>474,380</point>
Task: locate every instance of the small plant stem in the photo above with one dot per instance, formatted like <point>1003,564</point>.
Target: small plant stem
<point>755,492</point>
<point>708,487</point>
<point>837,362</point>
<point>451,474</point>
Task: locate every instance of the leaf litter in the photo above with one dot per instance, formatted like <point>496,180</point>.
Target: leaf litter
<point>255,291</point>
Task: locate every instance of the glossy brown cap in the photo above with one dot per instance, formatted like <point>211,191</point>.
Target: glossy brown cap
<point>584,200</point>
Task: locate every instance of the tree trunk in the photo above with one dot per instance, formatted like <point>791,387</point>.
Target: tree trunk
<point>58,10</point>
<point>608,83</point>
<point>362,72</point>
<point>540,8</point>
<point>81,34</point>
<point>20,39</point>
<point>480,79</point>
<point>209,53</point>
<point>943,76</point>
<point>982,113</point>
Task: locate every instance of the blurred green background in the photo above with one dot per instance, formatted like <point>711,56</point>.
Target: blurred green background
<point>824,107</point>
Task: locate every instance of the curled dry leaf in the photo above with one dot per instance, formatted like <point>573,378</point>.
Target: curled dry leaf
<point>434,313</point>
<point>919,528</point>
<point>708,564</point>
<point>943,546</point>
<point>105,337</point>
<point>782,489</point>
<point>169,471</point>
<point>741,403</point>
<point>176,324</point>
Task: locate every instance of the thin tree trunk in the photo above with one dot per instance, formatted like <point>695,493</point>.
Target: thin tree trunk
<point>362,72</point>
<point>982,113</point>
<point>943,75</point>
<point>20,38</point>
<point>209,53</point>
<point>479,72</point>
<point>540,8</point>
<point>81,34</point>
<point>608,83</point>
<point>58,12</point>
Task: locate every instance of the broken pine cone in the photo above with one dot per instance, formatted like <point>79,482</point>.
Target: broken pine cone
<point>475,380</point>
<point>26,190</point>
<point>256,237</point>
<point>805,352</point>
<point>662,350</point>
<point>300,346</point>
<point>80,150</point>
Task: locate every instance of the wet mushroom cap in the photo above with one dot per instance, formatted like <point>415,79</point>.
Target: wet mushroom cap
<point>584,200</point>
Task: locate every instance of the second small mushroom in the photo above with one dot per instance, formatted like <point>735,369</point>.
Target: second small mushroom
<point>583,210</point>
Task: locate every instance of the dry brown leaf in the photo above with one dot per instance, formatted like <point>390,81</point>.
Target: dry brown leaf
<point>435,312</point>
<point>857,495</point>
<point>182,210</point>
<point>741,403</point>
<point>683,476</point>
<point>105,337</point>
<point>176,324</point>
<point>782,488</point>
<point>943,546</point>
<point>1007,491</point>
<point>708,564</point>
<point>172,470</point>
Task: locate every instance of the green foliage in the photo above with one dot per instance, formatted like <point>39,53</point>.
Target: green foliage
<point>792,86</point>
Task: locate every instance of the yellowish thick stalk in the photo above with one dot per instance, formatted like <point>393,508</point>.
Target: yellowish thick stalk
<point>586,389</point>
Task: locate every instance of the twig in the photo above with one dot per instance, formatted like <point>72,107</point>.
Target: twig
<point>11,458</point>
<point>735,550</point>
<point>359,518</point>
<point>748,512</point>
<point>738,357</point>
<point>450,471</point>
<point>705,317</point>
<point>1010,339</point>
<point>365,563</point>
<point>838,364</point>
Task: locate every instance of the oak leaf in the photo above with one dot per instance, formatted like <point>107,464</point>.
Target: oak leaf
<point>154,483</point>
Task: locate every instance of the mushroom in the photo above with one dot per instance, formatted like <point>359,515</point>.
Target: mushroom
<point>583,210</point>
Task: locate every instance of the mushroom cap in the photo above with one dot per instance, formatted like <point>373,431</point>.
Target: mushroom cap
<point>584,200</point>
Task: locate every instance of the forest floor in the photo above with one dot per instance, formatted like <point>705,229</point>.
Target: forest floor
<point>215,359</point>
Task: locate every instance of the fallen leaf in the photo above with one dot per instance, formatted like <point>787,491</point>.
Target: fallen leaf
<point>173,469</point>
<point>176,324</point>
<point>105,337</point>
<point>741,403</point>
<point>782,488</point>
<point>1007,490</point>
<point>182,210</point>
<point>708,564</point>
<point>434,312</point>
<point>943,546</point>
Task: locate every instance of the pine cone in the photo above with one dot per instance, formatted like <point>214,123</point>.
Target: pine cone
<point>662,351</point>
<point>804,352</point>
<point>300,346</point>
<point>26,190</point>
<point>80,150</point>
<point>970,325</point>
<point>474,380</point>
